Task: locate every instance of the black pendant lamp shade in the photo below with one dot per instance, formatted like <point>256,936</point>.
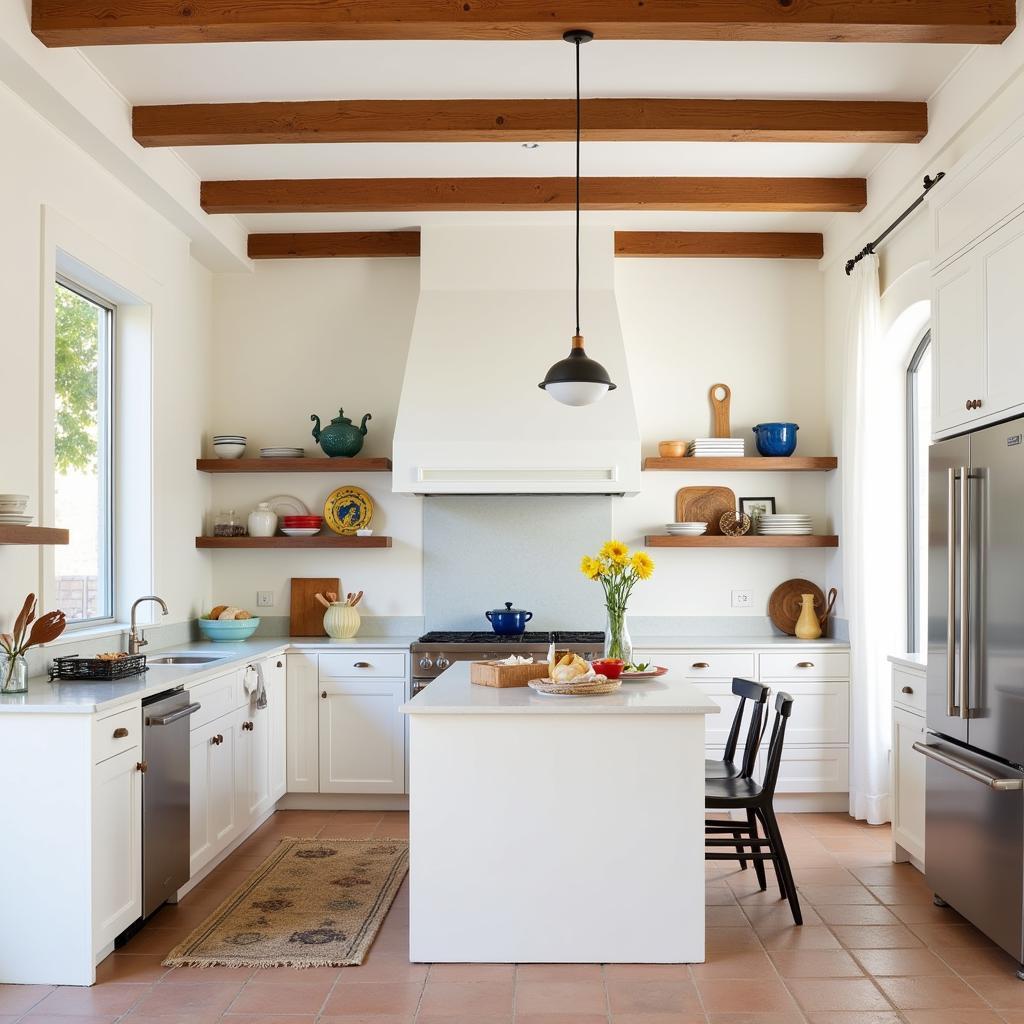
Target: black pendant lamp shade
<point>577,379</point>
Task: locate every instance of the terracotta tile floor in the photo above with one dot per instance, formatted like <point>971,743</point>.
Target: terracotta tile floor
<point>873,950</point>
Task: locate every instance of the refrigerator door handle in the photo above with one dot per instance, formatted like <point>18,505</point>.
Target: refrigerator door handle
<point>971,771</point>
<point>965,592</point>
<point>951,708</point>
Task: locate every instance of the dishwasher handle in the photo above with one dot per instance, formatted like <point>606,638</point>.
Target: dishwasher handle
<point>174,716</point>
<point>971,771</point>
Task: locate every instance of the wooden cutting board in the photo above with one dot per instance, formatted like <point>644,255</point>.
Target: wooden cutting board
<point>307,613</point>
<point>704,505</point>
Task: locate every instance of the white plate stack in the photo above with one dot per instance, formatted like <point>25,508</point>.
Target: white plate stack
<point>789,525</point>
<point>282,453</point>
<point>12,510</point>
<point>686,529</point>
<point>716,447</point>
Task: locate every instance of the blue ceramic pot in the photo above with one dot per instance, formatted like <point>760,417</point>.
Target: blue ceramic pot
<point>508,621</point>
<point>776,439</point>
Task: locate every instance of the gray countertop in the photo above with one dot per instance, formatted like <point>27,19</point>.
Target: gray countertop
<point>91,697</point>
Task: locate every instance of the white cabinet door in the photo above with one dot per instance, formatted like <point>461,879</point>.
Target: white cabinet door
<point>1002,262</point>
<point>274,674</point>
<point>215,813</point>
<point>958,343</point>
<point>116,845</point>
<point>908,783</point>
<point>811,769</point>
<point>303,724</point>
<point>253,761</point>
<point>362,737</point>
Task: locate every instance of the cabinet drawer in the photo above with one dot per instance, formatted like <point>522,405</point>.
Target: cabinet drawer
<point>359,664</point>
<point>217,697</point>
<point>813,769</point>
<point>821,712</point>
<point>908,689</point>
<point>115,733</point>
<point>698,665</point>
<point>805,665</point>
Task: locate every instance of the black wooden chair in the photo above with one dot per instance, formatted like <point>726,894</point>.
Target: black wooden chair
<point>757,694</point>
<point>743,793</point>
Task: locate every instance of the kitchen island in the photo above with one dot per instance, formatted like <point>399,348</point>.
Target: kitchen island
<point>557,829</point>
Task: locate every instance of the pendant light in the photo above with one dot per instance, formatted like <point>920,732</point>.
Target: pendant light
<point>577,379</point>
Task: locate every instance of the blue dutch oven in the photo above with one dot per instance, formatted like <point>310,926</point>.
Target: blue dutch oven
<point>776,439</point>
<point>508,621</point>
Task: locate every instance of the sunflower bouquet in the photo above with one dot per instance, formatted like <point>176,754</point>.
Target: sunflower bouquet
<point>618,572</point>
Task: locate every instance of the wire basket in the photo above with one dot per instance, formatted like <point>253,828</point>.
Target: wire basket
<point>73,667</point>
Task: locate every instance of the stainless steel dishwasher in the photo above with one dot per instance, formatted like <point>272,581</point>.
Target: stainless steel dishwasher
<point>165,796</point>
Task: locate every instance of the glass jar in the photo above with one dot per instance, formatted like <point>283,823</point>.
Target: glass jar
<point>617,641</point>
<point>227,524</point>
<point>13,674</point>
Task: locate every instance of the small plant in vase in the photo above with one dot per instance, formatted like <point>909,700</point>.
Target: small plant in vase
<point>618,572</point>
<point>44,630</point>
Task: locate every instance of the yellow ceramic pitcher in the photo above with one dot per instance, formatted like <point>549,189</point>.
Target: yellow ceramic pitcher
<point>807,626</point>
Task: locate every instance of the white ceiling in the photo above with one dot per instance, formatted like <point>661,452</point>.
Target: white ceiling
<point>223,72</point>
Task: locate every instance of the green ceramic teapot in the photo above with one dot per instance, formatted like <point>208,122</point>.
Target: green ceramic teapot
<point>341,437</point>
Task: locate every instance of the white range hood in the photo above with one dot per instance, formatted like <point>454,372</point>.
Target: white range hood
<point>496,309</point>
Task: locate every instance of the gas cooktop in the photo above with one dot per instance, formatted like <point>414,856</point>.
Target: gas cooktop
<point>445,637</point>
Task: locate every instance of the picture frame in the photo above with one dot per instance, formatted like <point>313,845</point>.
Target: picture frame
<point>757,507</point>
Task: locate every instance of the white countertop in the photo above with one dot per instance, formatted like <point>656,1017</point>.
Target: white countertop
<point>91,697</point>
<point>715,643</point>
<point>913,661</point>
<point>451,693</point>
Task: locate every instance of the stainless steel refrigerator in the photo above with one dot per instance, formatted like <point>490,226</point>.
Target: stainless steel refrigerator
<point>974,849</point>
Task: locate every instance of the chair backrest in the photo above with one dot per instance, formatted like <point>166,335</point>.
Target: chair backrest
<point>783,709</point>
<point>757,694</point>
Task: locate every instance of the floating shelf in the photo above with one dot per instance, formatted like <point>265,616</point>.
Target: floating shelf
<point>746,464</point>
<point>375,465</point>
<point>756,541</point>
<point>32,535</point>
<point>323,540</point>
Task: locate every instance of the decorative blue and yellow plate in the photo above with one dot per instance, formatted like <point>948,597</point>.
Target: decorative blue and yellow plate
<point>348,509</point>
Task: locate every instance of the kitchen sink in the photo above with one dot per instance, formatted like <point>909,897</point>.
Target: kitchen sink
<point>185,659</point>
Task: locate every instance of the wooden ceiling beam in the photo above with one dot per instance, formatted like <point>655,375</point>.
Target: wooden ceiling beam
<point>333,244</point>
<point>378,195</point>
<point>604,120</point>
<point>775,245</point>
<point>107,22</point>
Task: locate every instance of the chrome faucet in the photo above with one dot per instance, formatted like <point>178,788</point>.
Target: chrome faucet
<point>136,638</point>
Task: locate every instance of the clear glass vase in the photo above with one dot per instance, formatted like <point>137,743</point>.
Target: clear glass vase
<point>617,641</point>
<point>13,674</point>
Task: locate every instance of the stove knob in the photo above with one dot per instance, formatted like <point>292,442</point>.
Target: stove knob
<point>442,662</point>
<point>425,662</point>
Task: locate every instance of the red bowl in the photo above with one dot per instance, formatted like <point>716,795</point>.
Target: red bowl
<point>610,667</point>
<point>302,520</point>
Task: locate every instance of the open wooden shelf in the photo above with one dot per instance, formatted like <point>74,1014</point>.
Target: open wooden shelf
<point>749,541</point>
<point>321,540</point>
<point>340,465</point>
<point>32,535</point>
<point>746,464</point>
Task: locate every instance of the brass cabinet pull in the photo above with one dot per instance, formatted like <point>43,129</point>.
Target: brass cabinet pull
<point>805,664</point>
<point>974,403</point>
<point>280,664</point>
<point>247,726</point>
<point>142,766</point>
<point>324,695</point>
<point>120,732</point>
<point>361,664</point>
<point>907,689</point>
<point>700,664</point>
<point>217,740</point>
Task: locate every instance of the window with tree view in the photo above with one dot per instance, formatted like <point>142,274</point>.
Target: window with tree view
<point>83,452</point>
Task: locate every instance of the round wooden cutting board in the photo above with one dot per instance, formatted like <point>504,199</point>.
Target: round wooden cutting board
<point>784,604</point>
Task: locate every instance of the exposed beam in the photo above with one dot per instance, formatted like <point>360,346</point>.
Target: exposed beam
<point>605,120</point>
<point>777,245</point>
<point>375,195</point>
<point>105,22</point>
<point>332,244</point>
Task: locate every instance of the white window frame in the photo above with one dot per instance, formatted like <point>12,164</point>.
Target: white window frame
<point>106,443</point>
<point>914,472</point>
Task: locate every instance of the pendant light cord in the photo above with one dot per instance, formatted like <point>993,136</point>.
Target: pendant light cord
<point>578,121</point>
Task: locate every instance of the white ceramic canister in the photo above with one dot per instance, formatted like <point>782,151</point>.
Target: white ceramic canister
<point>262,521</point>
<point>341,621</point>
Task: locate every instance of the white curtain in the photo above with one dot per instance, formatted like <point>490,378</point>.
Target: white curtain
<point>869,543</point>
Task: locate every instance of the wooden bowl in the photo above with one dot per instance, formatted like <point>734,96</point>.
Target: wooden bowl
<point>671,449</point>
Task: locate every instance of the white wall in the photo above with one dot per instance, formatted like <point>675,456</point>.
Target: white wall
<point>47,181</point>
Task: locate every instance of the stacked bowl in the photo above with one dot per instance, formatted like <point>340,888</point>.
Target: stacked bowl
<point>229,446</point>
<point>12,510</point>
<point>301,526</point>
<point>686,529</point>
<point>282,452</point>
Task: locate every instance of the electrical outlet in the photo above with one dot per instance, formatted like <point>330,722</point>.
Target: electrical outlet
<point>264,599</point>
<point>742,598</point>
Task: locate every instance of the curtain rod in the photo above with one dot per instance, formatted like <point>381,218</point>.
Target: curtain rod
<point>929,184</point>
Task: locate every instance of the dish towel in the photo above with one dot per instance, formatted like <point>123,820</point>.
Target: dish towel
<point>258,687</point>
